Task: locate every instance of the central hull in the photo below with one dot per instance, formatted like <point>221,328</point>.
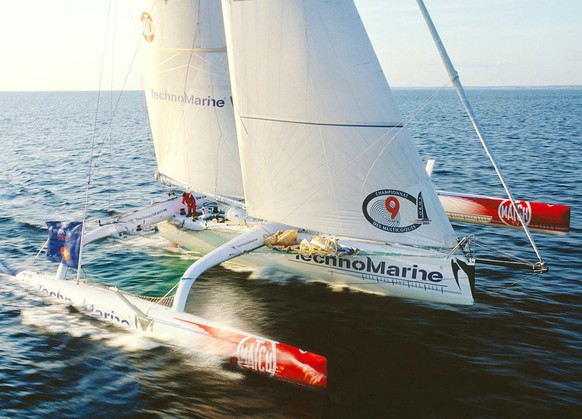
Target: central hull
<point>391,270</point>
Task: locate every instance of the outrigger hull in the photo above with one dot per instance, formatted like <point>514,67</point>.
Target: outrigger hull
<point>245,350</point>
<point>392,270</point>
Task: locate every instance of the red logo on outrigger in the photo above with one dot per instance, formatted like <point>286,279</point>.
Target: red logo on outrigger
<point>508,215</point>
<point>257,355</point>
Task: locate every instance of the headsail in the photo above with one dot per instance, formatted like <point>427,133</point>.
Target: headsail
<point>321,140</point>
<point>186,82</point>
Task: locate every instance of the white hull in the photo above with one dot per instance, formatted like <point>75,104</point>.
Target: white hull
<point>399,271</point>
<point>245,350</point>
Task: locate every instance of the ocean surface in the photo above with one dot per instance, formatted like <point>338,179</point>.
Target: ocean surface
<point>517,352</point>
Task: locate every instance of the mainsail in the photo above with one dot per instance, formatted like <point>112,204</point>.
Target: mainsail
<point>321,140</point>
<point>187,86</point>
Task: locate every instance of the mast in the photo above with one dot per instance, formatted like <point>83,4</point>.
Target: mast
<point>454,77</point>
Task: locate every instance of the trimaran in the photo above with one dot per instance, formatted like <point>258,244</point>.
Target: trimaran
<point>277,118</point>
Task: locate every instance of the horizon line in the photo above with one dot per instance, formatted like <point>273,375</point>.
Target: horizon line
<point>533,86</point>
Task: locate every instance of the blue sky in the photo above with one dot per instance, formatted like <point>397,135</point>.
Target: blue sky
<point>64,44</point>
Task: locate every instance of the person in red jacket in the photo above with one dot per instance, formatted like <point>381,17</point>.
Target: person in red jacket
<point>190,201</point>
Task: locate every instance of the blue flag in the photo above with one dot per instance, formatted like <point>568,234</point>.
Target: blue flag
<point>64,244</point>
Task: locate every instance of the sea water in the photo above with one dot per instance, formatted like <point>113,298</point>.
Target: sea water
<point>515,353</point>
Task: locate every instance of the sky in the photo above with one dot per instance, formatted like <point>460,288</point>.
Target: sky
<point>91,44</point>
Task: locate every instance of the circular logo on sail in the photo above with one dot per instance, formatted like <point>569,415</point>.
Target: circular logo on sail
<point>148,27</point>
<point>384,209</point>
<point>508,215</point>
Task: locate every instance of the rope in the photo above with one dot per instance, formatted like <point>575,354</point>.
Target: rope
<point>501,289</point>
<point>501,252</point>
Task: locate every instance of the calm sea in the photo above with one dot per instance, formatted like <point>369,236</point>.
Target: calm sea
<point>517,352</point>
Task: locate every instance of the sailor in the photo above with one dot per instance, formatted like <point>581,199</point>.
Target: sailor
<point>190,201</point>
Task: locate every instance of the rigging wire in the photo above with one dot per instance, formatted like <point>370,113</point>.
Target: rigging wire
<point>115,106</point>
<point>454,78</point>
<point>499,290</point>
<point>501,252</point>
<point>94,136</point>
<point>109,172</point>
<point>91,155</point>
<point>97,147</point>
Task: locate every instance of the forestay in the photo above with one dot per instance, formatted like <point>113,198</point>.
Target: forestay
<point>322,143</point>
<point>186,82</point>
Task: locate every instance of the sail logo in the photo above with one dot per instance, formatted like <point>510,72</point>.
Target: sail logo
<point>148,27</point>
<point>384,210</point>
<point>257,355</point>
<point>508,215</point>
<point>187,99</point>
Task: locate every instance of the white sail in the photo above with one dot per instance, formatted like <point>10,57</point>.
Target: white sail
<point>186,83</point>
<point>322,143</point>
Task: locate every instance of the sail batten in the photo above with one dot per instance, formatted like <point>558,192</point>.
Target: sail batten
<point>324,123</point>
<point>321,140</point>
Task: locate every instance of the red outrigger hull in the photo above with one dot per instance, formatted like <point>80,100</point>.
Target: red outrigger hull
<point>498,212</point>
<point>269,358</point>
